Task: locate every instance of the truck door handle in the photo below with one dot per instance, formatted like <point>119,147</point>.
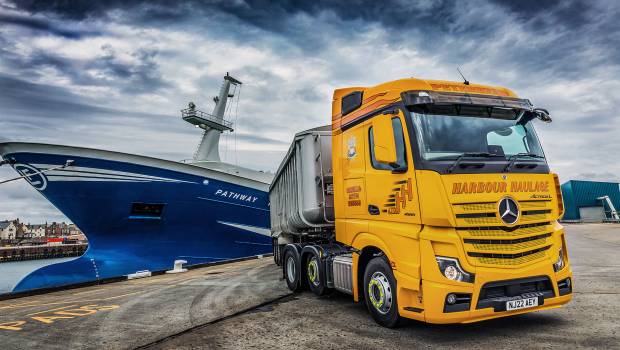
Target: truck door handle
<point>373,209</point>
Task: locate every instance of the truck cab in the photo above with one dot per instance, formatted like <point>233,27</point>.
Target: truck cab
<point>444,207</point>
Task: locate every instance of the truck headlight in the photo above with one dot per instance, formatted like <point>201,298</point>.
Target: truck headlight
<point>451,269</point>
<point>559,264</point>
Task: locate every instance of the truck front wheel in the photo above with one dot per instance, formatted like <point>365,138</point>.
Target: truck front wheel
<point>380,292</point>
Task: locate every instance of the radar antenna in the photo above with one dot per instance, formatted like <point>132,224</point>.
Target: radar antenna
<point>465,81</point>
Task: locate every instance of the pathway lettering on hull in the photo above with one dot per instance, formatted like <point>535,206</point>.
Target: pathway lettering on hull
<point>236,195</point>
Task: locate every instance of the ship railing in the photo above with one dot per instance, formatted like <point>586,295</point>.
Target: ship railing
<point>195,116</point>
<point>194,161</point>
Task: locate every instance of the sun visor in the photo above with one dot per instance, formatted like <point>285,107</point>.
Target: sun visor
<point>419,97</point>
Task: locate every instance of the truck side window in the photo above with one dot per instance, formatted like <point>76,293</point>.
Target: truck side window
<point>401,154</point>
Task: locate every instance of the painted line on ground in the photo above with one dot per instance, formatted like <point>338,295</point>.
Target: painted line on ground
<point>50,310</point>
<point>77,301</point>
<point>91,291</point>
<point>26,304</point>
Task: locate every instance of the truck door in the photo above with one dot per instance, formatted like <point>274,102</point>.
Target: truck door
<point>393,207</point>
<point>354,167</point>
<point>391,192</point>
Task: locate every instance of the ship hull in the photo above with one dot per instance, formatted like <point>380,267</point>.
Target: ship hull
<point>203,215</point>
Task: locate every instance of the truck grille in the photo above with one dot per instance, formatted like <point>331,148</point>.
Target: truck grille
<point>489,242</point>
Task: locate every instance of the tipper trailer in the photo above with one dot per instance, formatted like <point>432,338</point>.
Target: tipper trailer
<point>429,200</point>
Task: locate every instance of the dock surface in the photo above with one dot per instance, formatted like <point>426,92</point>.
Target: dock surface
<point>246,305</point>
<point>590,321</point>
<point>131,314</point>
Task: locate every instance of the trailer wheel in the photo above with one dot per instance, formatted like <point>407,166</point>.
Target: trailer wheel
<point>380,292</point>
<point>291,271</point>
<point>315,273</point>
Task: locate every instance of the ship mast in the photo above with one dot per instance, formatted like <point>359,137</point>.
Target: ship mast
<point>213,124</point>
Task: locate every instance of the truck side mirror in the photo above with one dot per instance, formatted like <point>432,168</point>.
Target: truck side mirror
<point>383,136</point>
<point>543,115</point>
<point>539,113</point>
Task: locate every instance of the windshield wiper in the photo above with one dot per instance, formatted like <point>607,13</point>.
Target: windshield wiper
<point>469,154</point>
<point>513,158</point>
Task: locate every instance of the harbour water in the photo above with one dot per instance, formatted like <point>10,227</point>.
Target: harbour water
<point>13,272</point>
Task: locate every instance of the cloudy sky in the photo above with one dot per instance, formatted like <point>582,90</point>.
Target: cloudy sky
<point>114,74</point>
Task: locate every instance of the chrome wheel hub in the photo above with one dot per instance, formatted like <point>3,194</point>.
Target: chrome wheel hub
<point>380,292</point>
<point>290,269</point>
<point>313,272</point>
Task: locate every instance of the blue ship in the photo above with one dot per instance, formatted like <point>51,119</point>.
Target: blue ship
<point>143,213</point>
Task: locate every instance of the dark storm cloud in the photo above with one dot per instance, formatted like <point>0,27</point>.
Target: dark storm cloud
<point>569,13</point>
<point>433,23</point>
<point>140,76</point>
<point>47,26</point>
<point>274,15</point>
<point>41,102</point>
<point>84,9</point>
<point>553,40</point>
<point>23,97</point>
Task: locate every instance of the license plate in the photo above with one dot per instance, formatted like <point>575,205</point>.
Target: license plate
<point>521,303</point>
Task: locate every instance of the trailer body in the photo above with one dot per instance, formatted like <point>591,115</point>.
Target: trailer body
<point>301,196</point>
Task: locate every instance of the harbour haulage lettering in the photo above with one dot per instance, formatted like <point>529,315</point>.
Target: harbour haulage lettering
<point>499,187</point>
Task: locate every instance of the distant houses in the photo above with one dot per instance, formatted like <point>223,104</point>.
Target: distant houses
<point>14,232</point>
<point>8,230</point>
<point>36,230</point>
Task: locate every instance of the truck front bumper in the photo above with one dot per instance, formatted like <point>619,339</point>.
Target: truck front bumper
<point>487,298</point>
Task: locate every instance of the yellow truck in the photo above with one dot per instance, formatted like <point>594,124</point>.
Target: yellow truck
<point>428,200</point>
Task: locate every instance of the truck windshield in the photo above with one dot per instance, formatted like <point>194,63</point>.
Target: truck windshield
<point>443,137</point>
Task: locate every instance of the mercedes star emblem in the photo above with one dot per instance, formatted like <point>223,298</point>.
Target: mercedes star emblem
<point>508,210</point>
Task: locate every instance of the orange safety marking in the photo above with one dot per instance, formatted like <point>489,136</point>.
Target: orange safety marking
<point>46,311</point>
<point>12,326</point>
<point>80,301</point>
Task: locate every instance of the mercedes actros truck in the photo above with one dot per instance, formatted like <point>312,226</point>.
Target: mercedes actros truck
<point>428,200</point>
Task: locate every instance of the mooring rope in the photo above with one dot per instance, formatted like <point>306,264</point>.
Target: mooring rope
<point>7,161</point>
<point>68,163</point>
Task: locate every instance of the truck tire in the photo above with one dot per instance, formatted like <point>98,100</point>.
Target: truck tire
<point>290,265</point>
<point>315,274</point>
<point>380,292</point>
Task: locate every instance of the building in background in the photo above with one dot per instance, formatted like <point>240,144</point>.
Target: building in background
<point>590,201</point>
<point>57,229</point>
<point>8,229</point>
<point>15,233</point>
<point>76,235</point>
<point>36,231</point>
